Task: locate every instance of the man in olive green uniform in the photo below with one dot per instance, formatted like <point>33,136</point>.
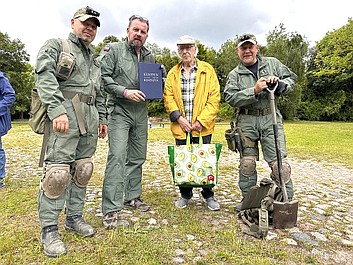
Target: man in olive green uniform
<point>77,112</point>
<point>127,132</point>
<point>246,91</point>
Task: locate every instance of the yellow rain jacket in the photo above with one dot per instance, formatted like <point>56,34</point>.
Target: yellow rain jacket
<point>206,98</point>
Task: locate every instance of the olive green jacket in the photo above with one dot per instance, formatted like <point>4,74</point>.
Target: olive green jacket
<point>239,89</point>
<point>85,78</point>
<point>120,71</point>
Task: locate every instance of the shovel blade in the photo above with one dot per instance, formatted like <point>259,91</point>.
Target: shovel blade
<point>285,214</point>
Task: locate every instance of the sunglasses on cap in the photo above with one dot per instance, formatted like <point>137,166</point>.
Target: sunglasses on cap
<point>246,36</point>
<point>86,11</point>
<point>92,12</point>
<point>133,17</point>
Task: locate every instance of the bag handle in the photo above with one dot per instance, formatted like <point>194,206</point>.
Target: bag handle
<point>188,139</point>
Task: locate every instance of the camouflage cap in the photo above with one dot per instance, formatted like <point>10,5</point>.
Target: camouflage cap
<point>85,13</point>
<point>246,37</point>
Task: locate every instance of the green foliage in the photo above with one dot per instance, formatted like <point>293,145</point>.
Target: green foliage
<point>167,58</point>
<point>23,84</point>
<point>206,54</point>
<point>291,49</point>
<point>13,57</point>
<point>323,108</point>
<point>330,77</point>
<point>156,108</point>
<point>325,72</point>
<point>226,60</point>
<point>106,40</point>
<point>226,111</point>
<point>335,52</point>
<point>14,62</point>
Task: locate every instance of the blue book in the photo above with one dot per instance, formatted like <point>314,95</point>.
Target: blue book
<point>150,77</point>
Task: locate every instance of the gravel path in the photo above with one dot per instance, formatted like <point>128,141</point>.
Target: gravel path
<point>324,192</point>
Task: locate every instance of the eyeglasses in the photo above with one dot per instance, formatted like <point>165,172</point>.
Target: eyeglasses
<point>133,17</point>
<point>187,48</point>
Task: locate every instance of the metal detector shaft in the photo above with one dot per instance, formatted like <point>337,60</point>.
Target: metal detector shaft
<point>277,143</point>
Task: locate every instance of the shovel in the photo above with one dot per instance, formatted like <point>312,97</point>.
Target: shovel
<point>284,213</point>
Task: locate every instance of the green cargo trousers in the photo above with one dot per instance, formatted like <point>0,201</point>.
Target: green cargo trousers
<point>65,149</point>
<point>127,134</point>
<point>257,129</point>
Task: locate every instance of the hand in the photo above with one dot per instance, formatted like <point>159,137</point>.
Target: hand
<point>260,85</point>
<point>103,129</point>
<point>184,124</point>
<point>281,88</point>
<point>272,80</point>
<point>61,124</point>
<point>197,126</point>
<point>135,95</point>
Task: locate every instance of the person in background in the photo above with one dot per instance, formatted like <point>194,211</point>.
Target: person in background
<point>191,98</point>
<point>246,91</point>
<point>128,123</point>
<point>7,98</point>
<point>77,112</point>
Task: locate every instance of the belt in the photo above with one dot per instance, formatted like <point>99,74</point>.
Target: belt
<point>255,112</point>
<point>89,100</point>
<point>76,98</point>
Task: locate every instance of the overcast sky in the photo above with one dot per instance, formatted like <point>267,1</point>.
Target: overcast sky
<point>212,22</point>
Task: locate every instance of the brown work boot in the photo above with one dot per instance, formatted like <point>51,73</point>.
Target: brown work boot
<point>137,204</point>
<point>50,239</point>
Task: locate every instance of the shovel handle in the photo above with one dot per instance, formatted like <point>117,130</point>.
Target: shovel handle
<point>277,145</point>
<point>279,163</point>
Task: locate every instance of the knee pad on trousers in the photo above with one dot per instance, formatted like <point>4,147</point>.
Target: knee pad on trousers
<point>247,165</point>
<point>286,171</point>
<point>83,172</point>
<point>56,179</point>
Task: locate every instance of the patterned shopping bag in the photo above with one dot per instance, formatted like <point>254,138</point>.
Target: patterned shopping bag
<point>194,165</point>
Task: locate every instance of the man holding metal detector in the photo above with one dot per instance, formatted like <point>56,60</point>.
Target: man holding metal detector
<point>248,89</point>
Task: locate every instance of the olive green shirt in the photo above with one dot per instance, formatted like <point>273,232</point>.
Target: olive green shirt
<point>85,78</point>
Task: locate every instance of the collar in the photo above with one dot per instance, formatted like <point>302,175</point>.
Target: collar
<point>75,39</point>
<point>195,67</point>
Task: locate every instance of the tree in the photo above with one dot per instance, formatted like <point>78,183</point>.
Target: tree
<point>23,83</point>
<point>106,40</point>
<point>13,57</point>
<point>330,77</point>
<point>226,60</point>
<point>14,61</point>
<point>291,49</point>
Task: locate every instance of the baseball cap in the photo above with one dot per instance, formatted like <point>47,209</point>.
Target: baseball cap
<point>85,13</point>
<point>186,40</point>
<point>246,37</point>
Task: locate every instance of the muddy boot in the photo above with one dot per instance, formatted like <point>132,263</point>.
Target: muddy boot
<point>137,204</point>
<point>77,224</point>
<point>53,246</point>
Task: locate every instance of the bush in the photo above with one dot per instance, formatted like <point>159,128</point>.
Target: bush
<point>156,108</point>
<point>226,111</point>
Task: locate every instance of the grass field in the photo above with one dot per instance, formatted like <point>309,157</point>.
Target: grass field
<point>196,235</point>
